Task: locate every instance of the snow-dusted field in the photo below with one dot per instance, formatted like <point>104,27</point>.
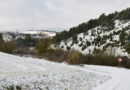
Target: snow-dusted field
<point>18,73</point>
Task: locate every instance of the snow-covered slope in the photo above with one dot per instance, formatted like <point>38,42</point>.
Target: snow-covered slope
<point>37,32</point>
<point>9,36</point>
<point>20,73</point>
<point>36,74</point>
<point>100,38</point>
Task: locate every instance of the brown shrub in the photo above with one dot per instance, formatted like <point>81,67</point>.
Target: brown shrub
<point>43,45</point>
<point>56,55</point>
<point>7,47</point>
<point>107,60</point>
<point>75,57</point>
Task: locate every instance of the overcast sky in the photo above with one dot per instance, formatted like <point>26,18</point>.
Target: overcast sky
<point>53,14</point>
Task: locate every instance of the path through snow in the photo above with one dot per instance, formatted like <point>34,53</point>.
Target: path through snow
<point>120,78</point>
<point>36,74</point>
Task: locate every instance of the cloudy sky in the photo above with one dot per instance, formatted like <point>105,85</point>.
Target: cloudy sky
<point>53,14</point>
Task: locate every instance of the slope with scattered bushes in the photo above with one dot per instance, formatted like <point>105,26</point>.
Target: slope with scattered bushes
<point>110,33</point>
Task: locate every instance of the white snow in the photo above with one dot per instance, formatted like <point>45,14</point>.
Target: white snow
<point>35,74</point>
<point>37,32</point>
<point>120,78</point>
<point>38,74</point>
<point>7,37</point>
<point>116,37</point>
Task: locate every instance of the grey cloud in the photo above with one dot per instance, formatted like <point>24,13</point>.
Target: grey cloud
<point>53,14</point>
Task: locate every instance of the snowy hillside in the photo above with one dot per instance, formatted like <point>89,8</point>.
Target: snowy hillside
<point>20,73</point>
<point>101,38</point>
<point>9,36</point>
<point>35,74</point>
<point>37,32</point>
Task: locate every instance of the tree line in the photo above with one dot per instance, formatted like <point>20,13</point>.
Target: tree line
<point>103,20</point>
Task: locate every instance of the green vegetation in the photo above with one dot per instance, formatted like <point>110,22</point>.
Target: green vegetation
<point>103,20</point>
<point>6,47</point>
<point>43,45</point>
<point>122,37</point>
